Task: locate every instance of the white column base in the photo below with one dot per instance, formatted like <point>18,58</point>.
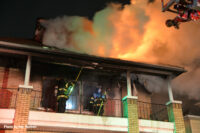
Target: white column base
<point>129,97</point>
<point>25,86</point>
<point>179,102</point>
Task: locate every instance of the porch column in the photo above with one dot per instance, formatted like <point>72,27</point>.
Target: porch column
<point>130,108</point>
<point>175,113</point>
<point>170,93</point>
<point>128,77</point>
<point>134,90</point>
<point>28,71</point>
<point>23,102</point>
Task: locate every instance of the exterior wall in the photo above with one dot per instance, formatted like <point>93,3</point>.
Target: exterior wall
<point>72,122</point>
<point>160,98</point>
<point>124,89</point>
<point>53,120</point>
<point>7,131</point>
<point>192,124</point>
<point>36,81</point>
<point>113,105</point>
<point>15,78</point>
<point>144,96</point>
<point>2,69</point>
<point>195,126</point>
<point>144,106</point>
<point>148,126</point>
<point>41,132</point>
<point>7,116</point>
<point>10,80</point>
<point>187,125</point>
<point>10,131</point>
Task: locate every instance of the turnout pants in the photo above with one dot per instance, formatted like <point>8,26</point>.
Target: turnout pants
<point>62,105</point>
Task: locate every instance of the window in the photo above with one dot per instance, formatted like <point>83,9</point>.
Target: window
<point>88,89</point>
<point>79,101</point>
<point>73,101</point>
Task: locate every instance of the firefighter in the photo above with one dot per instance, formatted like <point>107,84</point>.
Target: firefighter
<point>97,102</point>
<point>185,15</point>
<point>63,93</point>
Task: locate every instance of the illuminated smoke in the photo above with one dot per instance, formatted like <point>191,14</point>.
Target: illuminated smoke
<point>113,32</point>
<point>137,33</point>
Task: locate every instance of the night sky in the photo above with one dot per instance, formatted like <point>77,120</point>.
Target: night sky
<point>18,17</point>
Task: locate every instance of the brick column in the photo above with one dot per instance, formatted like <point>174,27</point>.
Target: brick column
<point>22,109</point>
<point>175,115</point>
<point>131,112</point>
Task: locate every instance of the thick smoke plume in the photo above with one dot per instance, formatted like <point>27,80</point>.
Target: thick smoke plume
<point>137,32</point>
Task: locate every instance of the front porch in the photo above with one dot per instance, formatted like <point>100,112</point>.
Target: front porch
<point>34,101</point>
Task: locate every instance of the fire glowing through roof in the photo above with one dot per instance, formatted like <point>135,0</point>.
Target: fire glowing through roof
<point>137,32</point>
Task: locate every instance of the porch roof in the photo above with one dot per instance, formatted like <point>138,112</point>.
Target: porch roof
<point>64,57</point>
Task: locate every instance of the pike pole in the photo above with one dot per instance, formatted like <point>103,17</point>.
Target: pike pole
<point>72,86</point>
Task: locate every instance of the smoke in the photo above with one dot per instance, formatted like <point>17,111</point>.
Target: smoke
<point>137,32</point>
<point>103,36</point>
<point>153,83</point>
<point>188,83</point>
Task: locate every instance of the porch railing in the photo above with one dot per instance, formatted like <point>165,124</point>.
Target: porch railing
<point>75,104</point>
<point>8,97</point>
<point>113,107</point>
<point>36,97</point>
<point>151,111</point>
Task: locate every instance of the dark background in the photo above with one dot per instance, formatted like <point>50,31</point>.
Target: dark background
<point>18,17</point>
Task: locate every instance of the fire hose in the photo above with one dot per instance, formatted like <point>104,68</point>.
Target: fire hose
<point>101,105</point>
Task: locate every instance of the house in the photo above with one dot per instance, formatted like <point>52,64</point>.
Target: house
<point>192,123</point>
<point>28,75</point>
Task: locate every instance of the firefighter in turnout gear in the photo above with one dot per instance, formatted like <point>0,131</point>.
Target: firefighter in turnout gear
<point>64,90</point>
<point>63,93</point>
<point>97,102</point>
